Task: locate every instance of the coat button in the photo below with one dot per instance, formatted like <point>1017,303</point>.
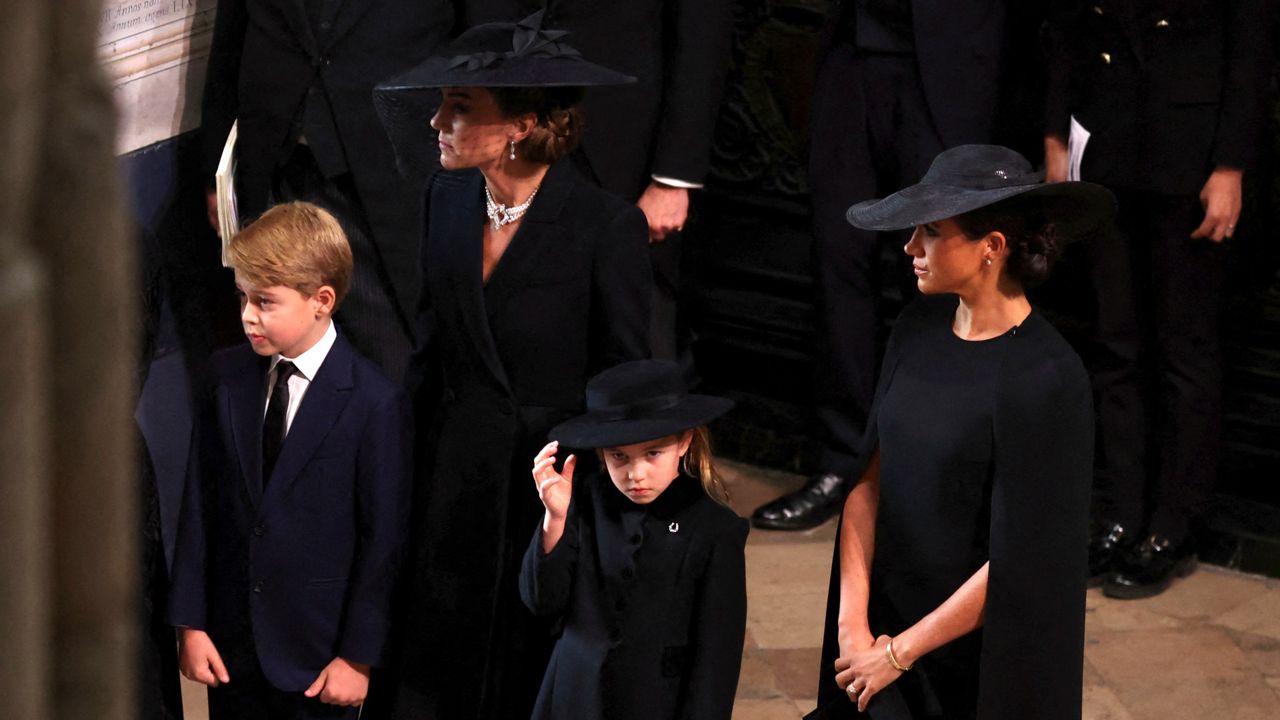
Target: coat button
<point>635,539</point>
<point>1106,58</point>
<point>257,587</point>
<point>505,406</point>
<point>258,530</point>
<point>628,573</point>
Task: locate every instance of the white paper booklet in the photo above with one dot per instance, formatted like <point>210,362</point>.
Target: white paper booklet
<point>225,184</point>
<point>1075,148</point>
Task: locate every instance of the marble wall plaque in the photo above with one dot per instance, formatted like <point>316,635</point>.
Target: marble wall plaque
<point>155,52</point>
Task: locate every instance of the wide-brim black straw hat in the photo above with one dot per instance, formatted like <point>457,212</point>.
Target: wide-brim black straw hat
<point>506,54</point>
<point>969,177</point>
<point>638,401</point>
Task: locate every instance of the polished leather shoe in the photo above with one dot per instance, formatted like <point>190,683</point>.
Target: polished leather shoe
<point>808,507</point>
<point>1105,547</point>
<point>1149,568</point>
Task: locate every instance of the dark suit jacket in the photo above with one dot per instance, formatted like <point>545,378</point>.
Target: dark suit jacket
<point>679,51</point>
<point>266,57</point>
<point>654,604</point>
<point>1169,89</point>
<point>960,50</point>
<point>501,363</point>
<point>305,566</point>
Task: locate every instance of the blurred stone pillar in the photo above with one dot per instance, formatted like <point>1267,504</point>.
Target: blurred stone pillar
<point>67,319</point>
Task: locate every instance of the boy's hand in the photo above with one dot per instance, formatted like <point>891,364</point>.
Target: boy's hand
<point>199,660</point>
<point>554,488</point>
<point>341,683</point>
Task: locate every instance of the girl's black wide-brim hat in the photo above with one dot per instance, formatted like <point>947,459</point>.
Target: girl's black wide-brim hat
<point>637,401</point>
<point>519,54</point>
<point>969,177</point>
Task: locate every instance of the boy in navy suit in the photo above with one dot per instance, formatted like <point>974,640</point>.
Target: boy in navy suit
<point>296,507</point>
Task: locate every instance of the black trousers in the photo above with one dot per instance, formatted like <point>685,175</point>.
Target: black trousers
<point>872,135</point>
<point>369,315</point>
<point>1156,364</point>
<point>250,696</point>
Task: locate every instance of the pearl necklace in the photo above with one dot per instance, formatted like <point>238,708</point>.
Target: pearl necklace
<point>500,214</point>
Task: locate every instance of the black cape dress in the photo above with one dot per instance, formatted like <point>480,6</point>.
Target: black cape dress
<point>986,453</point>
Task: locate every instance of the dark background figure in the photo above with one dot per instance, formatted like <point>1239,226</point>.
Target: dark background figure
<point>901,82</point>
<point>160,423</point>
<point>649,142</point>
<point>299,75</point>
<point>1172,94</point>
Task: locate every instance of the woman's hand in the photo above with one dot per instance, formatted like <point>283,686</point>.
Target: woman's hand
<point>554,488</point>
<point>866,672</point>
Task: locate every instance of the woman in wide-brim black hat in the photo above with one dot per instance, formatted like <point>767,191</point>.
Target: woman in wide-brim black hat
<point>960,572</point>
<point>533,279</point>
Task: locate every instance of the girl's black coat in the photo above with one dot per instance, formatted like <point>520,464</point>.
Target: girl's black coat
<point>502,363</point>
<point>653,602</point>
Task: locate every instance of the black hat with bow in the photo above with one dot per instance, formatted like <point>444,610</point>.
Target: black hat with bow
<point>520,54</point>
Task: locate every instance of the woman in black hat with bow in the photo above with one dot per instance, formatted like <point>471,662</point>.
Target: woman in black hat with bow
<point>959,580</point>
<point>643,564</point>
<point>533,281</point>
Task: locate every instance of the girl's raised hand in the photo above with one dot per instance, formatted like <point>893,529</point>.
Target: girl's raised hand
<point>554,488</point>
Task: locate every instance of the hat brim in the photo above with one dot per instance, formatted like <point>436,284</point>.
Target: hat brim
<point>439,72</point>
<point>594,431</point>
<point>406,103</point>
<point>1075,208</point>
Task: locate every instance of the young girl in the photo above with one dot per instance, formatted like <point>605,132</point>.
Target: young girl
<point>643,567</point>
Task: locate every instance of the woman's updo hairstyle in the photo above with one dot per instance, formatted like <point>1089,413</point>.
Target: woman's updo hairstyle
<point>1034,243</point>
<point>559,127</point>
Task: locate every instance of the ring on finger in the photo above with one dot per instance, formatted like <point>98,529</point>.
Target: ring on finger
<point>853,691</point>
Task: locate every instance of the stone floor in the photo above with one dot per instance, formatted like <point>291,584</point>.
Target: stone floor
<point>1209,647</point>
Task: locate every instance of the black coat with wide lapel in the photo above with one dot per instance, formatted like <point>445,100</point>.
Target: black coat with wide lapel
<point>500,364</point>
<point>653,602</point>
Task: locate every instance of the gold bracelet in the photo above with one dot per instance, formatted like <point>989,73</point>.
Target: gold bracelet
<point>888,652</point>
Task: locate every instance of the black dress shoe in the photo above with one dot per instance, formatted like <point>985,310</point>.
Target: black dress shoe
<point>1105,547</point>
<point>808,507</point>
<point>1149,569</point>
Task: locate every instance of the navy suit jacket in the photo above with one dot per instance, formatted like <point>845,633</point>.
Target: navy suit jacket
<point>302,566</point>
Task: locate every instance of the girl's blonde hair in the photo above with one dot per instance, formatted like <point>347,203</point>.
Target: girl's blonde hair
<point>698,462</point>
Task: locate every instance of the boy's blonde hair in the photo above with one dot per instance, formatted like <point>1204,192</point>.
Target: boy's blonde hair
<point>298,245</point>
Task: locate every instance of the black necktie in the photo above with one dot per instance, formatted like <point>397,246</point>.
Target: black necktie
<point>273,426</point>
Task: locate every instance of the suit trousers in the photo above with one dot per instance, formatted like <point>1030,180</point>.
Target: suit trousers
<point>1156,364</point>
<point>250,696</point>
<point>872,135</point>
<point>369,315</point>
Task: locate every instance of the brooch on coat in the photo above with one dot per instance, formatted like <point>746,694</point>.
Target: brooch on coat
<point>674,527</point>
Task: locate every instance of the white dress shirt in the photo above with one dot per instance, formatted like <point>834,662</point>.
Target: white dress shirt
<point>306,365</point>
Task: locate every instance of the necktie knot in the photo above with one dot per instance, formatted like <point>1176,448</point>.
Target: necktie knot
<point>284,370</point>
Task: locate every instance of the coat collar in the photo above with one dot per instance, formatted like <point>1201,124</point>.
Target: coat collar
<point>535,240</point>
<point>326,396</point>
